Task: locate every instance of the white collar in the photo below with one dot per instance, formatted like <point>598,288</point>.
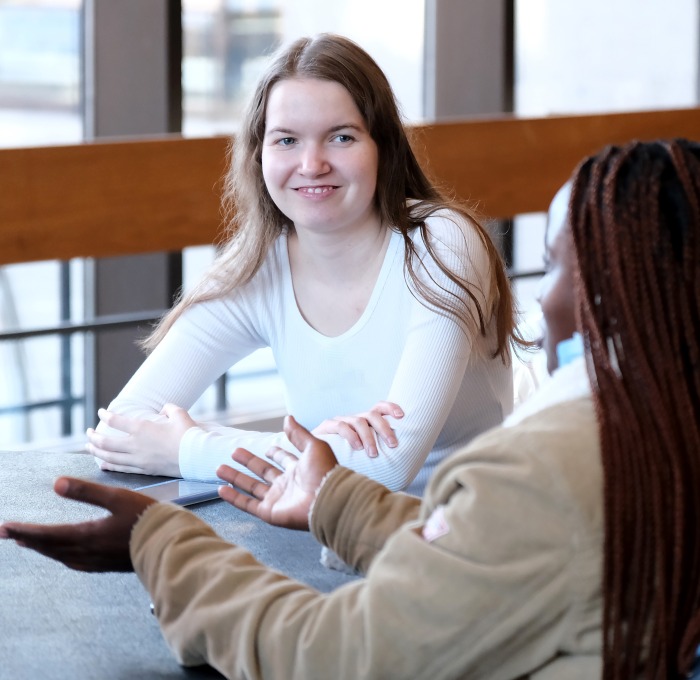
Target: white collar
<point>566,384</point>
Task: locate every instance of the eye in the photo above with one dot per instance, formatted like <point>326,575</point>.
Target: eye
<point>344,139</point>
<point>286,141</point>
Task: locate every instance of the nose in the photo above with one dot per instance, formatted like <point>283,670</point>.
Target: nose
<point>313,161</point>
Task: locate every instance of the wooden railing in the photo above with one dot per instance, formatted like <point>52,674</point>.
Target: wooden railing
<point>125,197</point>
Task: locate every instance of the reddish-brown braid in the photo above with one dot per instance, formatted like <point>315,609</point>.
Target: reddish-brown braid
<point>635,219</point>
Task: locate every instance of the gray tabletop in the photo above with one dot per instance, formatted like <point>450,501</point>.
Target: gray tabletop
<point>58,624</point>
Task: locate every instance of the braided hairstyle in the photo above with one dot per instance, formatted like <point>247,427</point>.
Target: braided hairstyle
<point>635,219</point>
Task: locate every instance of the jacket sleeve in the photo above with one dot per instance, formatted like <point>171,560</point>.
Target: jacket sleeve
<point>485,592</point>
<point>356,516</point>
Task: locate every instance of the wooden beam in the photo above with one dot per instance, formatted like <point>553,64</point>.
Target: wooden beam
<point>125,197</point>
<point>511,166</point>
<point>101,199</point>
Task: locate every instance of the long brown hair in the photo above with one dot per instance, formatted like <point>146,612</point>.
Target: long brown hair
<point>405,197</point>
<point>635,219</point>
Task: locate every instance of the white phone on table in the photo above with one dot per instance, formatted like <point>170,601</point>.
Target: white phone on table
<point>181,491</point>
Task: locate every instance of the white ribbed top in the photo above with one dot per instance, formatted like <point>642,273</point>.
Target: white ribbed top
<point>448,386</point>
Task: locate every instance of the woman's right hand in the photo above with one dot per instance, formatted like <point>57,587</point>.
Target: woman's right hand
<point>361,430</point>
<point>146,447</point>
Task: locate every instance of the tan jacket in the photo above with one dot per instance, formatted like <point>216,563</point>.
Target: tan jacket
<point>496,574</point>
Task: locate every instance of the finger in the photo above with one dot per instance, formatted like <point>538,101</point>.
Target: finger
<point>241,501</point>
<point>298,434</point>
<point>388,408</point>
<point>258,466</point>
<point>380,425</point>
<point>65,543</point>
<point>244,482</point>
<point>107,497</point>
<point>366,435</point>
<point>131,469</point>
<point>283,458</point>
<point>344,430</point>
<point>106,442</point>
<point>115,461</point>
<point>178,415</point>
<point>35,535</point>
<point>117,421</point>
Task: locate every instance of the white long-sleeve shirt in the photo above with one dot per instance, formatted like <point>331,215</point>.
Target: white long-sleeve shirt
<point>447,382</point>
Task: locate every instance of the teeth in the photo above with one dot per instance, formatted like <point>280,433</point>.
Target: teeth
<point>316,190</point>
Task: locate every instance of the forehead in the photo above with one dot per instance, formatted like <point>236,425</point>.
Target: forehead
<point>310,102</point>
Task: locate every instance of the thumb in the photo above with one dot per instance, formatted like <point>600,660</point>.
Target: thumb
<point>297,434</point>
<point>87,492</point>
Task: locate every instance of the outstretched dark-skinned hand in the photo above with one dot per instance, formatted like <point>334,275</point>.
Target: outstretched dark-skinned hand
<point>283,498</point>
<point>97,545</point>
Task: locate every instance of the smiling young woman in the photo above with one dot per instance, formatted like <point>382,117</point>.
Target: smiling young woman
<point>379,297</point>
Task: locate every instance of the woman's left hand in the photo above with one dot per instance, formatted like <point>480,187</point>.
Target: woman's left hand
<point>362,430</point>
<point>150,447</point>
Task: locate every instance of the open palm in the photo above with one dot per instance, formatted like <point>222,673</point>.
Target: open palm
<point>284,497</point>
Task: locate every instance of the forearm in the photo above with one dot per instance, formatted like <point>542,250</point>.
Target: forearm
<point>204,448</point>
<point>354,516</point>
<point>217,605</point>
<point>349,504</point>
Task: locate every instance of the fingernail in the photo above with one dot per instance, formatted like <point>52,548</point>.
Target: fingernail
<point>372,452</point>
<point>357,446</point>
<point>392,442</point>
<point>398,412</point>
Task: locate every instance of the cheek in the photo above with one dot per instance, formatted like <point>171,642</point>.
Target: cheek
<point>267,167</point>
<point>365,168</point>
<point>274,169</point>
<point>557,302</point>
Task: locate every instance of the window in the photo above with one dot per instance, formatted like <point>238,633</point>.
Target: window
<point>40,93</point>
<point>598,56</point>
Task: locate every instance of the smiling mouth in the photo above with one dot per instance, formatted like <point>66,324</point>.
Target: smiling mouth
<point>316,191</point>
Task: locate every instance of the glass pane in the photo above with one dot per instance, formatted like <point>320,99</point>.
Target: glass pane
<point>225,45</point>
<point>38,396</point>
<point>40,104</point>
<point>605,55</point>
<point>598,56</point>
<point>40,78</point>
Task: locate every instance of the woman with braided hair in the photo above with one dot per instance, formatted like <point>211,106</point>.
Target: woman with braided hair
<point>635,223</point>
<point>564,544</point>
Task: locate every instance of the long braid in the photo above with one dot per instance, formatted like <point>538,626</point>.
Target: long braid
<point>635,219</point>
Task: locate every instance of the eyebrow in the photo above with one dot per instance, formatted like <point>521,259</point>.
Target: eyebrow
<point>335,128</point>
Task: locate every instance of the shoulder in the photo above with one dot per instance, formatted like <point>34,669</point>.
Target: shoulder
<point>453,240</point>
<point>450,228</point>
<point>554,453</point>
<point>270,275</point>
